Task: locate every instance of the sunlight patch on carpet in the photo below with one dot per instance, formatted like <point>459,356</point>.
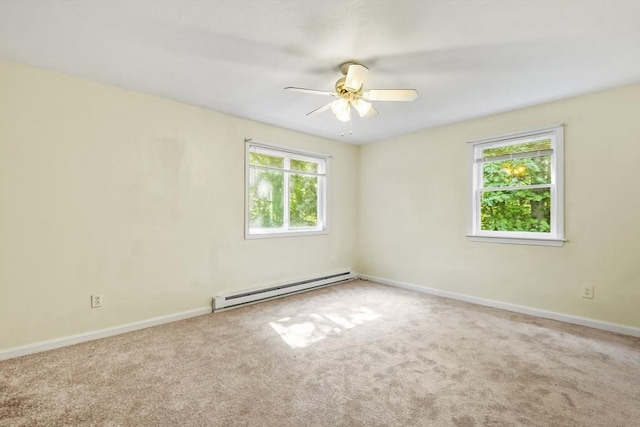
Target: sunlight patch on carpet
<point>307,329</point>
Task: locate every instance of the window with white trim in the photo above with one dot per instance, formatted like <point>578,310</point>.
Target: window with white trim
<point>517,188</point>
<point>285,192</point>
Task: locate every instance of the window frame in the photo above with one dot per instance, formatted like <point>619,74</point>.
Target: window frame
<point>287,154</point>
<point>556,236</point>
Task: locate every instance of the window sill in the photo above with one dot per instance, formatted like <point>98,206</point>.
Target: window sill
<point>536,241</point>
<point>253,236</point>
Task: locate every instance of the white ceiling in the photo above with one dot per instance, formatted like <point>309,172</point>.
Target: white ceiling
<point>466,58</point>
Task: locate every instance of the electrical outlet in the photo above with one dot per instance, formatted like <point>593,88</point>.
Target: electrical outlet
<point>587,292</point>
<point>96,301</point>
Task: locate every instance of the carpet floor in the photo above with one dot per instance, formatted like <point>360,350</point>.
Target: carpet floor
<point>354,354</point>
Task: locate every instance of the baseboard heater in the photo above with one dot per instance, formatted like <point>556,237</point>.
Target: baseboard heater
<point>249,297</point>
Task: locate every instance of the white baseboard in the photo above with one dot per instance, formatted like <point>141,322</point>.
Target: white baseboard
<point>102,333</point>
<point>115,330</point>
<point>576,320</point>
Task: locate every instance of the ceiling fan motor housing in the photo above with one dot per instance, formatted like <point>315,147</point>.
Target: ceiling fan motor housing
<point>342,90</point>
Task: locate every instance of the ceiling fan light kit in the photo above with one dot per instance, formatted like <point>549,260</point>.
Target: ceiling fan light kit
<point>350,94</point>
<point>341,109</point>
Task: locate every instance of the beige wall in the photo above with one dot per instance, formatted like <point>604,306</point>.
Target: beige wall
<point>141,199</point>
<point>413,212</point>
<point>109,191</point>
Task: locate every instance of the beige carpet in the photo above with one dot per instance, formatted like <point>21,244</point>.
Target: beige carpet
<point>355,354</point>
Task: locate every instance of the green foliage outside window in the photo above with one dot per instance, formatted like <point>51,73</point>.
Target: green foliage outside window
<point>303,195</point>
<point>266,192</point>
<point>527,210</point>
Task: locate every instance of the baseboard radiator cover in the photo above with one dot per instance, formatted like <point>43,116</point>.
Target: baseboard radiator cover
<point>278,291</point>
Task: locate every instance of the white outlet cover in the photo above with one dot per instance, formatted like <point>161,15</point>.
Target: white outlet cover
<point>96,300</point>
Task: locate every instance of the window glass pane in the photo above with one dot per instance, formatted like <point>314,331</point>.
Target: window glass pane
<point>303,200</point>
<point>532,146</point>
<point>516,210</point>
<point>266,207</point>
<point>301,165</point>
<point>517,172</point>
<point>266,160</point>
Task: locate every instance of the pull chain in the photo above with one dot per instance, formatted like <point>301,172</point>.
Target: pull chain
<point>350,130</point>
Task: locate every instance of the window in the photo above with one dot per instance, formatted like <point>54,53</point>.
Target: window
<point>285,192</point>
<point>517,188</point>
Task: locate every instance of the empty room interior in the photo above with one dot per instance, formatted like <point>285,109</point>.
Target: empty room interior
<point>319,213</point>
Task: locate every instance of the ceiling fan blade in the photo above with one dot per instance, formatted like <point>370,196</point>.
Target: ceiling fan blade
<point>320,110</point>
<point>311,91</point>
<point>371,113</point>
<point>390,94</point>
<point>355,77</point>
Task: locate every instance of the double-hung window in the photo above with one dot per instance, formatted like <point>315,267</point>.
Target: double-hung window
<point>517,188</point>
<point>285,192</point>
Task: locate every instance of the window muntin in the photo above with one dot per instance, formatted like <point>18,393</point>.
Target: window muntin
<point>285,192</point>
<point>517,187</point>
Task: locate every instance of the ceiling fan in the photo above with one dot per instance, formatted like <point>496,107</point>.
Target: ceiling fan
<point>351,93</point>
